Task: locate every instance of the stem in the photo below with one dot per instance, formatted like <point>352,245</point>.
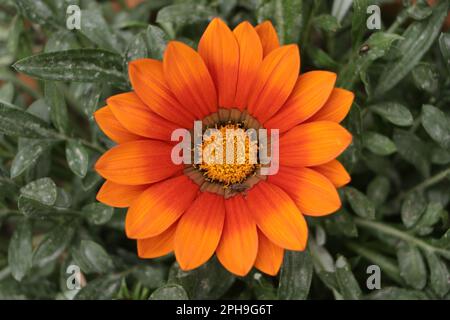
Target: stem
<point>10,212</point>
<point>308,25</point>
<point>401,18</point>
<point>385,264</point>
<point>430,181</point>
<point>399,234</point>
<point>92,146</point>
<point>86,143</point>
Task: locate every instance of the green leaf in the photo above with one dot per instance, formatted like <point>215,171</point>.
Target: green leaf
<point>96,29</point>
<point>411,265</point>
<point>393,112</point>
<point>88,94</point>
<point>102,288</point>
<point>77,158</point>
<point>444,241</point>
<point>150,276</point>
<point>137,48</point>
<point>440,156</point>
<point>150,43</point>
<point>92,258</point>
<point>431,216</point>
<point>16,30</point>
<point>327,23</point>
<point>261,286</point>
<point>413,150</point>
<point>321,59</point>
<point>394,293</point>
<point>156,42</point>
<point>437,125</point>
<point>209,281</point>
<point>340,8</point>
<point>36,11</point>
<point>33,208</point>
<point>42,190</point>
<point>413,207</point>
<point>378,143</point>
<point>439,274</point>
<point>20,250</point>
<point>426,77</point>
<point>359,19</point>
<point>378,45</point>
<point>419,11</point>
<point>360,204</point>
<point>444,44</point>
<point>348,285</point>
<point>91,180</point>
<point>341,223</point>
<point>287,16</point>
<point>324,265</point>
<point>16,122</point>
<point>28,156</point>
<point>63,199</point>
<point>378,190</point>
<point>40,109</point>
<point>54,243</point>
<point>418,38</point>
<point>83,65</point>
<point>98,213</point>
<point>169,292</point>
<point>296,275</point>
<point>184,13</point>
<point>54,96</point>
<point>61,40</point>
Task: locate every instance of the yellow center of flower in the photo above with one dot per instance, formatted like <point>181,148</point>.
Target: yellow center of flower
<point>227,166</point>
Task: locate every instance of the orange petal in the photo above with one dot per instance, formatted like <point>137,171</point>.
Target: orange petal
<point>111,126</point>
<point>336,108</point>
<point>250,59</point>
<point>119,195</point>
<point>312,144</point>
<point>276,79</point>
<point>270,256</point>
<point>189,79</point>
<point>239,243</point>
<point>268,36</point>
<point>134,115</point>
<point>220,51</point>
<point>157,246</point>
<point>313,193</point>
<point>199,231</point>
<point>309,94</point>
<point>137,162</point>
<point>159,207</point>
<point>147,79</point>
<point>335,172</point>
<point>277,216</point>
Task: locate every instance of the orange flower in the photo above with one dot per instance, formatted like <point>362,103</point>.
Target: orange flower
<point>240,78</point>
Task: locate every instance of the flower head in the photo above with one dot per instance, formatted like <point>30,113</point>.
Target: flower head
<point>240,79</point>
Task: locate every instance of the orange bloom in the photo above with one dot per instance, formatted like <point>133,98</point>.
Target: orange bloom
<point>241,78</point>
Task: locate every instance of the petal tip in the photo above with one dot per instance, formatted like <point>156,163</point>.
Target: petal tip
<point>266,24</point>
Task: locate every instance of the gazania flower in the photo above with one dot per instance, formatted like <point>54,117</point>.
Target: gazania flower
<point>241,78</point>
